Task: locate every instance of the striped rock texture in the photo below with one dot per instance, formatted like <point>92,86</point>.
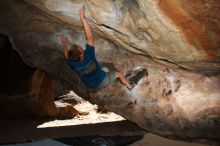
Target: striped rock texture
<point>177,41</point>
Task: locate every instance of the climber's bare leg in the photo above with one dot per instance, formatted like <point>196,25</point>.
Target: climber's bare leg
<point>123,80</point>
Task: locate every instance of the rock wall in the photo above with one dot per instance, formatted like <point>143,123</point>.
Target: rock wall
<point>162,29</point>
<point>178,43</point>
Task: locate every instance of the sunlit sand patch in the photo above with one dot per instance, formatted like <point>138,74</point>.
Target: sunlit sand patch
<point>92,118</point>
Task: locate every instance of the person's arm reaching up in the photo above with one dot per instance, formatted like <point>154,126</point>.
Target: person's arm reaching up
<point>65,50</point>
<point>86,27</point>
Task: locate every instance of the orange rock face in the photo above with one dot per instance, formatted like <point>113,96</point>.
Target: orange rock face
<point>198,21</point>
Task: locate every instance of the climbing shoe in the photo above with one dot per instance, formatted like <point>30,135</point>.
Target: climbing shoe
<point>134,76</point>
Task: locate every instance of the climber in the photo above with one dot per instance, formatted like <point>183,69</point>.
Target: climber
<point>85,63</point>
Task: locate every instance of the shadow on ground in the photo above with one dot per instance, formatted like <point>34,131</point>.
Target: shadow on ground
<point>25,130</point>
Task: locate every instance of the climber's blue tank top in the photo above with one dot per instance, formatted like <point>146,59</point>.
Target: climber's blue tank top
<point>89,69</point>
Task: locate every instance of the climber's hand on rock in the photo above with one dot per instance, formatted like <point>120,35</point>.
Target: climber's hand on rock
<point>63,40</point>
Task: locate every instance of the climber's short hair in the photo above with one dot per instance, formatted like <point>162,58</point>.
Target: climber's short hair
<point>74,52</point>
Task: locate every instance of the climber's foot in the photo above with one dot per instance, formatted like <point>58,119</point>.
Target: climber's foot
<point>136,75</point>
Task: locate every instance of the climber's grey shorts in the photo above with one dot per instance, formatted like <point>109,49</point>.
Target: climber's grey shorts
<point>109,77</point>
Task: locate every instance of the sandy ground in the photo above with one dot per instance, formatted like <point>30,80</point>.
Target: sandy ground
<point>103,124</point>
<point>92,117</point>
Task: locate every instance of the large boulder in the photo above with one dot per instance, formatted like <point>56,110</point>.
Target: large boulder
<point>177,42</point>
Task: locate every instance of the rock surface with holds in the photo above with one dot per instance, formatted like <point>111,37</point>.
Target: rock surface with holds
<point>176,41</point>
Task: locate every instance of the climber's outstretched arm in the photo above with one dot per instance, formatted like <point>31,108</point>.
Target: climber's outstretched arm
<point>86,27</point>
<point>65,50</point>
